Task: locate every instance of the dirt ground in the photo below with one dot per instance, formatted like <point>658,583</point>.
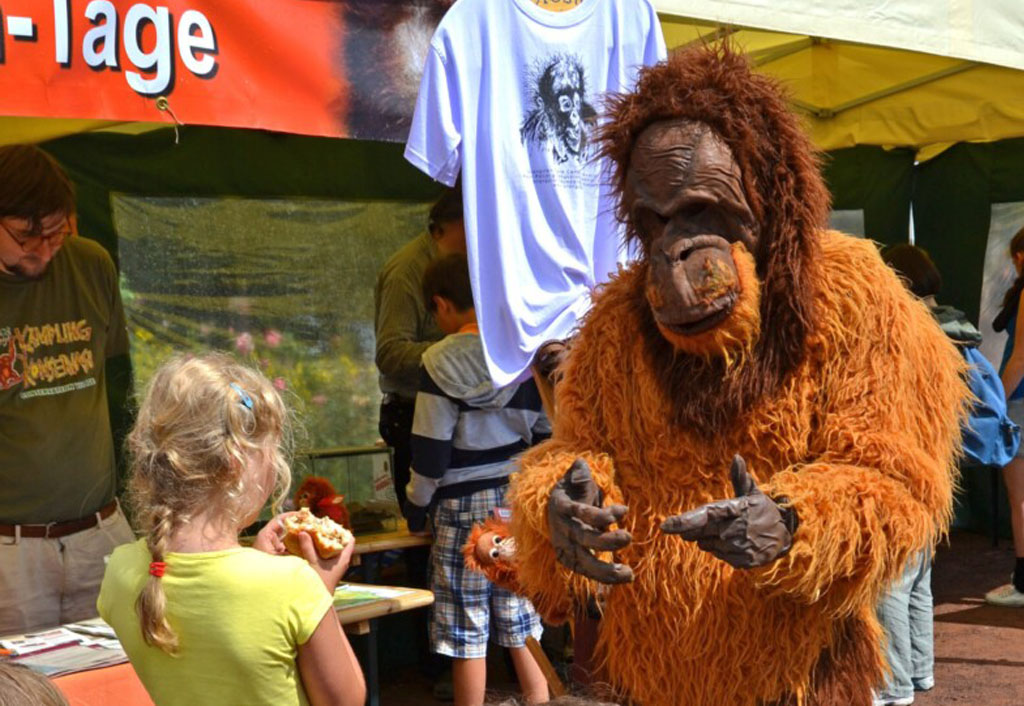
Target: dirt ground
<point>979,649</point>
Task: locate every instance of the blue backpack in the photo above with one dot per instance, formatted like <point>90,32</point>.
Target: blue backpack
<point>990,437</point>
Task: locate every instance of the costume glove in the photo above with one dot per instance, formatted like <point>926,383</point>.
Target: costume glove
<point>746,531</point>
<point>578,524</point>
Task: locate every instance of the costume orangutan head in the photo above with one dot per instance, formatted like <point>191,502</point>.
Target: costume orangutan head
<point>721,190</point>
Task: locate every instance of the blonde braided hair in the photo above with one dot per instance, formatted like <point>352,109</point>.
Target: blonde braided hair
<point>204,422</point>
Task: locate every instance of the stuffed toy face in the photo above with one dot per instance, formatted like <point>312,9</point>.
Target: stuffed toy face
<point>490,550</point>
<point>312,490</point>
<point>492,547</point>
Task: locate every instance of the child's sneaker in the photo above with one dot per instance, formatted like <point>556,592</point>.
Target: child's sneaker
<point>1007,596</point>
<point>891,700</point>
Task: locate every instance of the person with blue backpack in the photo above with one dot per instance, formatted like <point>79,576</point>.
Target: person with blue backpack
<point>990,438</point>
<point>1011,372</point>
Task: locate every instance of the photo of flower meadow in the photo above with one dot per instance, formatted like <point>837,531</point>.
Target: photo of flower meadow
<point>286,285</point>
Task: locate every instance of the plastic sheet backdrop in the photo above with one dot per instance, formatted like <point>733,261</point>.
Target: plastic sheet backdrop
<point>284,284</point>
<point>1007,219</point>
<point>849,221</point>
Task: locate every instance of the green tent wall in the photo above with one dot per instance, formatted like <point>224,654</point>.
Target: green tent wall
<point>953,197</point>
<point>221,162</point>
<point>877,181</point>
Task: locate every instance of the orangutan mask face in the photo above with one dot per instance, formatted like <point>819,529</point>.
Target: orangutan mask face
<point>685,196</point>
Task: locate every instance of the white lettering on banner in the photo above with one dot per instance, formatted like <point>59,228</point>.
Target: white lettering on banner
<point>153,63</point>
<point>21,27</point>
<point>189,44</point>
<point>104,33</point>
<point>62,31</point>
<point>160,58</point>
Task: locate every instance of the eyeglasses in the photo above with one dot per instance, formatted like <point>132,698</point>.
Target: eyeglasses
<point>31,242</point>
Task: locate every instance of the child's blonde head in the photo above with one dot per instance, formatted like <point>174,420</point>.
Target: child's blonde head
<point>20,686</point>
<point>211,439</point>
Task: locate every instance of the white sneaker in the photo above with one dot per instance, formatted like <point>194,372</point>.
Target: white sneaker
<point>1007,596</point>
<point>891,701</point>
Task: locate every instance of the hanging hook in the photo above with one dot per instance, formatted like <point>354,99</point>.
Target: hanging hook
<point>164,105</point>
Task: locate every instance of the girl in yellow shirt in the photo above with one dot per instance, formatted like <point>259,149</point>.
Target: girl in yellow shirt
<point>203,619</point>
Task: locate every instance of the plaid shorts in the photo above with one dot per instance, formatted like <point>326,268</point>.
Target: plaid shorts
<point>467,607</point>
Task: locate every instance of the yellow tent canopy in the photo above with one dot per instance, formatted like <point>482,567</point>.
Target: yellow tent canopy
<point>924,74</point>
<point>866,72</point>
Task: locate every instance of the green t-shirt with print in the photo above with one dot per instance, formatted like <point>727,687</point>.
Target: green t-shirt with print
<point>56,333</point>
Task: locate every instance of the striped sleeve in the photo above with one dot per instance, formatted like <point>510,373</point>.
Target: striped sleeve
<point>433,428</point>
<point>541,429</point>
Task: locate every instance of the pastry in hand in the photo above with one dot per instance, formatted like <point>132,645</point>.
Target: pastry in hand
<point>328,536</point>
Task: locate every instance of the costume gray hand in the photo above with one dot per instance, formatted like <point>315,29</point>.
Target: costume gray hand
<point>578,524</point>
<point>746,531</point>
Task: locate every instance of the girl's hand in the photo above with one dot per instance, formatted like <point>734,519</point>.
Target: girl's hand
<point>269,538</point>
<point>330,570</point>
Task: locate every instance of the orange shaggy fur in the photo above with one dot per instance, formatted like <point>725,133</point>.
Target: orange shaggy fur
<point>847,401</point>
<point>861,438</point>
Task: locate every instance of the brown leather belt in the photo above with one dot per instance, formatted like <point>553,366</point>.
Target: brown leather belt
<point>53,530</point>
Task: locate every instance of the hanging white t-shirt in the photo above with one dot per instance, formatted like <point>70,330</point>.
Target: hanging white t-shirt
<point>510,95</point>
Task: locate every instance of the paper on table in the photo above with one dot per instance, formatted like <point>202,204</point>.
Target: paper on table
<point>95,627</point>
<point>70,648</point>
<point>38,641</point>
<point>347,595</point>
<point>71,658</point>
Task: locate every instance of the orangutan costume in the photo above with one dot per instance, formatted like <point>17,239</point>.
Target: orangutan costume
<point>764,389</point>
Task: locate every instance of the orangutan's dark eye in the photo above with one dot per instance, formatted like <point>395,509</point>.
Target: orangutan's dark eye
<point>649,223</point>
<point>494,553</point>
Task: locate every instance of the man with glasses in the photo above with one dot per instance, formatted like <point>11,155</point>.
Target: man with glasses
<point>61,320</point>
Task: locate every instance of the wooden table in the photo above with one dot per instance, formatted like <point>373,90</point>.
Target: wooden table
<point>360,620</point>
<point>119,684</point>
<point>387,541</point>
<point>370,546</point>
<point>356,618</point>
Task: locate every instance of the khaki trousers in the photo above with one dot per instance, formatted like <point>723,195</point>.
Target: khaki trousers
<point>48,582</point>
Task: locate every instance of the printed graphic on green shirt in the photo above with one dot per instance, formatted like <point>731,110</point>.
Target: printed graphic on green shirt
<point>33,357</point>
<point>9,376</point>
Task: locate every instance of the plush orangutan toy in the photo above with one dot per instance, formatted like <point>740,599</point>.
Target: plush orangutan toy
<point>490,550</point>
<point>322,499</point>
<point>757,424</point>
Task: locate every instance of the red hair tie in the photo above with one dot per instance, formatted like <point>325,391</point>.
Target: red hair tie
<point>157,568</point>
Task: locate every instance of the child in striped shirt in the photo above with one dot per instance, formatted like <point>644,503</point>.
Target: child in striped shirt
<point>465,437</point>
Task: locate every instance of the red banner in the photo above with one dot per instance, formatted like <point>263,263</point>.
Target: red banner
<point>346,69</point>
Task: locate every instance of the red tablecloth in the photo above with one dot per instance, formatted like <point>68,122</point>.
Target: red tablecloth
<point>104,687</point>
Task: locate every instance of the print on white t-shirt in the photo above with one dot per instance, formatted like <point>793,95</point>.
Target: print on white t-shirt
<point>511,98</point>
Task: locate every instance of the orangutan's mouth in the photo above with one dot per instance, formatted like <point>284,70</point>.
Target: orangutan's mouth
<point>705,318</point>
